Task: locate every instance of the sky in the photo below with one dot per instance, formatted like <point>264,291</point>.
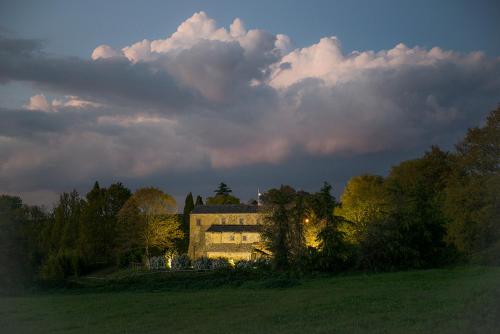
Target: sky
<point>182,95</point>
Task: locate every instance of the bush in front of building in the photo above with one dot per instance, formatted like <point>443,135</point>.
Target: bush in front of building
<point>220,264</point>
<point>202,263</point>
<point>180,262</point>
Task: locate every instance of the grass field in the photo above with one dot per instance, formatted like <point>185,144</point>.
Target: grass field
<point>463,300</point>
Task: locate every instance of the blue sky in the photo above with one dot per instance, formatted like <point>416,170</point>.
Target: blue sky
<point>76,27</point>
<point>251,108</point>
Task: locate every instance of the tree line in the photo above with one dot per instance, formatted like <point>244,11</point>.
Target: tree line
<point>108,227</point>
<point>430,211</point>
<point>434,210</point>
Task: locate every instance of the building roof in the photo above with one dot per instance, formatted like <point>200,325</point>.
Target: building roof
<point>226,208</point>
<point>235,228</point>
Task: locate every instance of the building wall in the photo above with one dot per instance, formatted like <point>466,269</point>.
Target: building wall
<point>231,237</point>
<point>197,235</point>
<point>231,255</point>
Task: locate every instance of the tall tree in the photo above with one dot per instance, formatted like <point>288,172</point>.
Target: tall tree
<point>11,218</point>
<point>473,191</point>
<point>199,200</point>
<point>97,237</point>
<point>148,220</point>
<point>223,196</point>
<point>363,201</point>
<point>283,232</point>
<point>335,253</point>
<point>222,190</point>
<point>188,207</point>
<point>414,226</point>
<point>188,204</point>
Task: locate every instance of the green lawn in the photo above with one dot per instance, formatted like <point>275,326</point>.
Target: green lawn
<point>464,300</point>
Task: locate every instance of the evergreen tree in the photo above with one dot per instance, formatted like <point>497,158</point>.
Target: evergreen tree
<point>188,204</point>
<point>223,190</point>
<point>283,225</point>
<point>223,196</point>
<point>199,200</point>
<point>334,252</point>
<point>183,244</point>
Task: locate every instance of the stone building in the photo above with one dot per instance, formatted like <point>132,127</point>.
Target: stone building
<point>230,231</point>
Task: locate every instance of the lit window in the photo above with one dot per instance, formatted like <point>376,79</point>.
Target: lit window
<point>242,221</point>
<point>244,238</point>
<point>198,222</point>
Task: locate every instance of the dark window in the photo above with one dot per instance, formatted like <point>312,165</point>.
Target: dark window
<point>242,221</point>
<point>223,221</point>
<point>198,222</point>
<point>244,238</point>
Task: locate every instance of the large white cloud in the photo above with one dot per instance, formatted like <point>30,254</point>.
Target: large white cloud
<point>215,97</point>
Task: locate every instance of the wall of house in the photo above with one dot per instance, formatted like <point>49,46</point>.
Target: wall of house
<point>231,237</point>
<point>231,255</point>
<point>197,228</point>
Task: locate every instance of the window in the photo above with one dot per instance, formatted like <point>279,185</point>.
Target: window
<point>231,237</point>
<point>223,221</point>
<point>244,238</point>
<point>242,221</point>
<point>198,222</point>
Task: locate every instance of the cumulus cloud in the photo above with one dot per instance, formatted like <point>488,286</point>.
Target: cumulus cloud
<point>39,102</point>
<point>210,97</point>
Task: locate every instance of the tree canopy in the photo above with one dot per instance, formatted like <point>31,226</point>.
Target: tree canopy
<point>148,220</point>
<point>223,196</point>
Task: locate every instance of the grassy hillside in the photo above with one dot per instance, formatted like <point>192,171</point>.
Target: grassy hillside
<point>461,300</point>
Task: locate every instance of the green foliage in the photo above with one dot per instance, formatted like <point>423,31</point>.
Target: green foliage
<point>363,201</point>
<point>183,244</point>
<point>334,251</point>
<point>283,225</point>
<point>199,200</point>
<point>222,196</point>
<point>411,233</point>
<point>97,235</point>
<point>81,235</point>
<point>223,190</point>
<point>219,264</point>
<point>473,193</point>
<point>452,300</point>
<point>222,199</point>
<point>20,230</point>
<point>59,266</point>
<point>180,262</point>
<point>202,263</point>
<point>148,220</point>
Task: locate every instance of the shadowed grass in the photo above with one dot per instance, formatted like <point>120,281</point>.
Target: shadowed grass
<point>462,300</point>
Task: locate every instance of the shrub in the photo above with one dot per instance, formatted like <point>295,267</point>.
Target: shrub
<point>157,263</point>
<point>263,264</point>
<point>180,262</point>
<point>61,265</point>
<point>220,263</point>
<point>202,263</point>
<point>245,265</point>
<point>126,258</point>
